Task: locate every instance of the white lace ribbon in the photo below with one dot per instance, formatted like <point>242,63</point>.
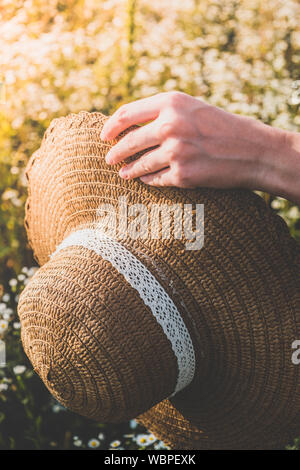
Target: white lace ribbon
<point>150,291</point>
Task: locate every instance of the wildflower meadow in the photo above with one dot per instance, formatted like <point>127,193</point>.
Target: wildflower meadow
<point>66,56</point>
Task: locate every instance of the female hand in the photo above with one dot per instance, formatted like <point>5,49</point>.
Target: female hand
<point>198,144</point>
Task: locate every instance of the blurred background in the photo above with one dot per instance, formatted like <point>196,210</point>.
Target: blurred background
<point>66,56</point>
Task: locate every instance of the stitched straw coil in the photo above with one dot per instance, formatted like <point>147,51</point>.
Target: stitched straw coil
<point>97,345</point>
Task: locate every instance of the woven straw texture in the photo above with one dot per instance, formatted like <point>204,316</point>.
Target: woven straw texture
<point>97,346</point>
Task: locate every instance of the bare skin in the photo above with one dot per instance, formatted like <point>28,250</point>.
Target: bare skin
<point>202,145</point>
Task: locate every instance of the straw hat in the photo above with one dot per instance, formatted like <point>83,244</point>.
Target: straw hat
<point>195,343</point>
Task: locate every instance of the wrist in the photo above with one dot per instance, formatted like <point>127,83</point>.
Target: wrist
<point>279,166</point>
<point>292,166</point>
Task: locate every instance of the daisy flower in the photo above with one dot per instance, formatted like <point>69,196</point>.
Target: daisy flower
<point>115,444</point>
<point>93,443</point>
<point>13,282</point>
<point>77,443</point>
<point>3,325</point>
<point>143,440</point>
<point>18,370</point>
<point>152,438</point>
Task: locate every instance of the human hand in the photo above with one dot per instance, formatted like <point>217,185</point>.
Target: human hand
<point>197,144</point>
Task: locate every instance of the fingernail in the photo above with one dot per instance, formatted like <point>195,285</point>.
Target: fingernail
<point>123,173</point>
<point>108,157</point>
<point>103,134</point>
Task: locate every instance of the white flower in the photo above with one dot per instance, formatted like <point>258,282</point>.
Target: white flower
<point>93,443</point>
<point>101,436</point>
<point>2,307</point>
<point>13,282</point>
<point>21,277</point>
<point>9,194</point>
<point>14,170</point>
<point>159,445</point>
<point>16,202</point>
<point>17,325</point>
<point>152,438</point>
<point>56,408</point>
<point>294,212</point>
<point>77,443</point>
<point>276,204</point>
<point>18,370</point>
<point>6,298</point>
<point>32,271</point>
<point>9,311</point>
<point>6,315</point>
<point>143,440</point>
<point>3,325</point>
<point>3,387</point>
<point>115,444</point>
<point>133,424</point>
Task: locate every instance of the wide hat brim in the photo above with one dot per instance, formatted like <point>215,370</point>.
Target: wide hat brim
<point>238,297</point>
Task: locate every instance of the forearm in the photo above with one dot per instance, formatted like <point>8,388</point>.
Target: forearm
<point>278,169</point>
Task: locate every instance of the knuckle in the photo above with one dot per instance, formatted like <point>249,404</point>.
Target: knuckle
<point>122,114</point>
<point>178,122</point>
<point>171,125</point>
<point>177,179</point>
<point>174,149</point>
<point>153,181</point>
<point>143,167</point>
<point>175,98</point>
<point>170,152</point>
<point>179,146</point>
<point>166,130</point>
<point>130,143</point>
<point>180,176</point>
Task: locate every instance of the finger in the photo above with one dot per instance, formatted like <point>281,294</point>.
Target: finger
<point>133,142</point>
<point>137,112</point>
<point>162,178</point>
<point>150,162</point>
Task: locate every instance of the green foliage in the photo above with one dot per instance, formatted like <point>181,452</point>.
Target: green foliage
<point>65,56</point>
<point>295,445</point>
